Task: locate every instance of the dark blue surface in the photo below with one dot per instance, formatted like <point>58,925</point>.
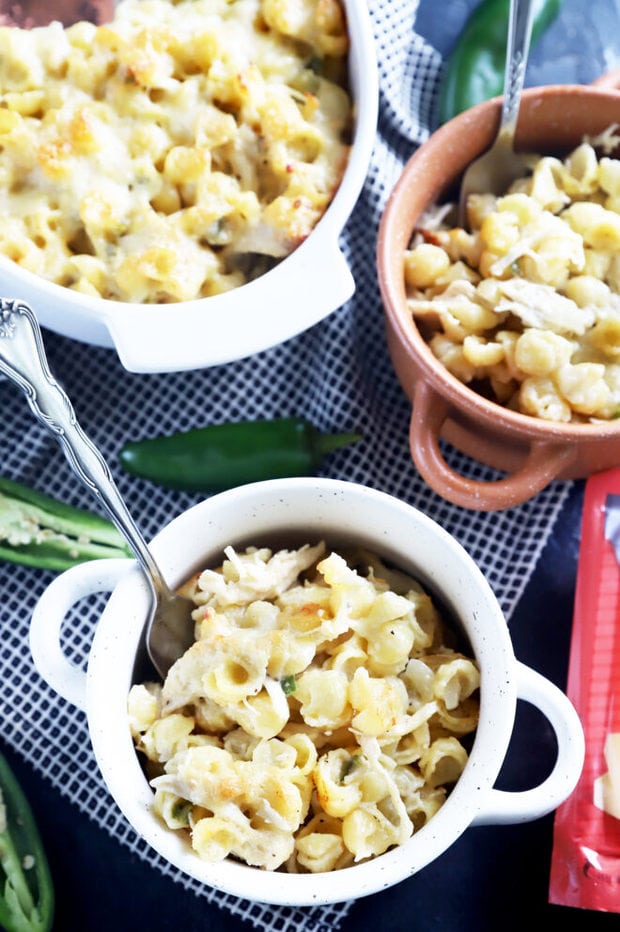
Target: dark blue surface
<point>493,878</point>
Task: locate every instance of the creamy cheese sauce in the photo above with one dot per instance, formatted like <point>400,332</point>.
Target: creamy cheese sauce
<point>175,153</point>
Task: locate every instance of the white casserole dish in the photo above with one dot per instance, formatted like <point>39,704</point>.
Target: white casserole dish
<point>303,289</point>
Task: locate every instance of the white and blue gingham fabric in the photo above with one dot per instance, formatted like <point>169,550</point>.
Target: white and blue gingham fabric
<point>338,375</point>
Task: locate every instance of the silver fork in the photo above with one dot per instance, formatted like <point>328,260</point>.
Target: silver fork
<point>499,166</point>
<point>169,630</point>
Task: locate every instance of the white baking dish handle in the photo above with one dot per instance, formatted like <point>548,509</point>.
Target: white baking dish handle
<point>313,281</point>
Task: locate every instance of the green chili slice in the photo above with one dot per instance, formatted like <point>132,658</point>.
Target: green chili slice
<point>38,530</point>
<point>27,893</point>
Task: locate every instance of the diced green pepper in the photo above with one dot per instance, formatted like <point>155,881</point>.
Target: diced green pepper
<point>349,766</point>
<point>288,684</point>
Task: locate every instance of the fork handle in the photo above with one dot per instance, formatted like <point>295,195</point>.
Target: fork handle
<point>519,34</point>
<point>23,360</point>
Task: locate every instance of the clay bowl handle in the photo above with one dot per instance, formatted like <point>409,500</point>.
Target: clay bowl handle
<point>544,462</point>
<point>609,81</point>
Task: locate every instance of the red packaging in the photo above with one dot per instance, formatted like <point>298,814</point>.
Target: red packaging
<point>585,863</point>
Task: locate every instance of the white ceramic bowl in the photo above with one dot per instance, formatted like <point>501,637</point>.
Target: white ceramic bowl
<point>300,291</point>
<point>298,510</point>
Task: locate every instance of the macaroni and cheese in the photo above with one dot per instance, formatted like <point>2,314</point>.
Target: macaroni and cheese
<point>175,153</point>
<point>319,718</point>
<point>525,305</point>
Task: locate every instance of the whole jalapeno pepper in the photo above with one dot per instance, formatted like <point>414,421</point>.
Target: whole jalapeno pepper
<point>474,70</point>
<point>26,890</point>
<point>220,456</point>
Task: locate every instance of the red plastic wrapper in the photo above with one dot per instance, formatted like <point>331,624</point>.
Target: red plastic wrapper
<point>585,863</point>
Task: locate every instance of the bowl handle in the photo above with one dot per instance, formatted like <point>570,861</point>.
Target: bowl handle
<point>543,463</point>
<point>609,81</point>
<point>65,677</point>
<point>503,807</point>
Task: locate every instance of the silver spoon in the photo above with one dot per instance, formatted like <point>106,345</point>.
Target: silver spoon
<point>500,165</point>
<point>169,630</point>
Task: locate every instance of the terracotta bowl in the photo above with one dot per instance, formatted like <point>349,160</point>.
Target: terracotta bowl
<point>531,452</point>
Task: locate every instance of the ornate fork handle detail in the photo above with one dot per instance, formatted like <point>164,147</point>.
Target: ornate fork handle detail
<point>47,400</point>
<point>23,360</point>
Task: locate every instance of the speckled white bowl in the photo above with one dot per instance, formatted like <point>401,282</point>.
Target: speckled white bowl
<point>300,291</point>
<point>297,510</point>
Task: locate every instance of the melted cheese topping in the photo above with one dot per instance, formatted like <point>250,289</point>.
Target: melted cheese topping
<point>177,152</point>
<point>317,719</point>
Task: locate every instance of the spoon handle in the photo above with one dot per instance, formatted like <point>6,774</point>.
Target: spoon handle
<point>517,49</point>
<point>23,360</point>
